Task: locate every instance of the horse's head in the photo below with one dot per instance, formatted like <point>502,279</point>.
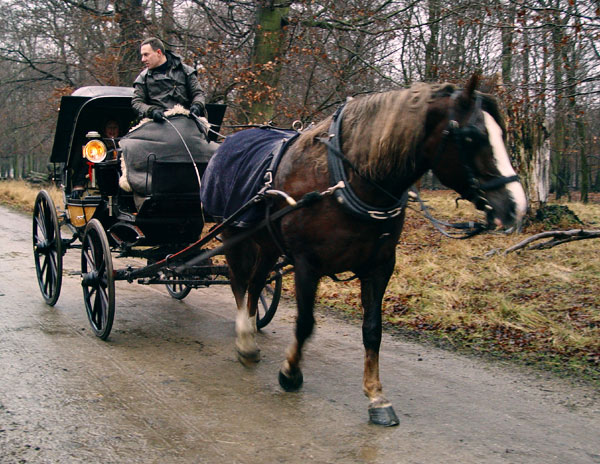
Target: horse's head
<point>472,158</point>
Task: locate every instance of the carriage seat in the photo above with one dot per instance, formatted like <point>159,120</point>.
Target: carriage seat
<point>172,189</point>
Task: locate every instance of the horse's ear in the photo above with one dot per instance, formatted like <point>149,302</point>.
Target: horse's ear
<point>468,94</point>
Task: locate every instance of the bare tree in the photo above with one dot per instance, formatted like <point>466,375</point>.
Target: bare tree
<point>286,60</point>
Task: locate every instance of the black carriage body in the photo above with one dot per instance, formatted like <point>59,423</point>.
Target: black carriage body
<point>170,212</point>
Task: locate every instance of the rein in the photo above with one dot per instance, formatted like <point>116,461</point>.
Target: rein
<point>296,125</point>
<point>468,229</point>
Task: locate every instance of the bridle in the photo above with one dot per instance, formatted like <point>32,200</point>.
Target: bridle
<point>463,137</point>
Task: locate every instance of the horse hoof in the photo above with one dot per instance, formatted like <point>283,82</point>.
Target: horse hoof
<point>248,359</point>
<point>383,416</point>
<point>291,383</point>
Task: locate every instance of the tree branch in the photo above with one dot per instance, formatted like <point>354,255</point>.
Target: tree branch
<point>556,237</point>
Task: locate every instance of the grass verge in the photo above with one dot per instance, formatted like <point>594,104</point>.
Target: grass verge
<point>21,195</point>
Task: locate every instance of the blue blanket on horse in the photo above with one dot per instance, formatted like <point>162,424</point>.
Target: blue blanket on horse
<point>236,173</point>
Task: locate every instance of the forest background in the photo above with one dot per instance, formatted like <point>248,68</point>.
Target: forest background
<point>282,61</point>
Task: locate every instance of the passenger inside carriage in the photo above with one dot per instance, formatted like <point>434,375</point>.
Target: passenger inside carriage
<point>81,167</point>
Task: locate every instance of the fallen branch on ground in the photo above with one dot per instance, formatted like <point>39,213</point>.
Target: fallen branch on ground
<point>557,237</point>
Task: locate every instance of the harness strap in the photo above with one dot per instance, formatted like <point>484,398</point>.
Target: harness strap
<point>272,169</point>
<point>498,182</point>
<point>346,196</point>
<point>268,179</point>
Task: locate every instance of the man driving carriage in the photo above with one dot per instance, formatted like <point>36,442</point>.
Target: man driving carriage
<point>165,82</point>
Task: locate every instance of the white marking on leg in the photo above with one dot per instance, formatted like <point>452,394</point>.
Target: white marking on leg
<point>502,161</point>
<point>245,328</point>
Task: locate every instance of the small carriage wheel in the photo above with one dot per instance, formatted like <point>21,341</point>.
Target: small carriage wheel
<point>177,290</point>
<point>268,302</point>
<point>47,247</point>
<point>97,279</point>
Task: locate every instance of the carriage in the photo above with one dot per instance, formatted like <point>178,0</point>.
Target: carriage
<point>105,221</point>
<point>331,199</point>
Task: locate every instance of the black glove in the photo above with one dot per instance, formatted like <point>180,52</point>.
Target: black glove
<point>158,115</point>
<point>197,109</point>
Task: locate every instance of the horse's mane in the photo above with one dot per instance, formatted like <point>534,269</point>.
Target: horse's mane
<point>381,131</point>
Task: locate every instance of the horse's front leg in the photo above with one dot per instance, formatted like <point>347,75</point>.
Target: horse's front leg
<point>373,287</point>
<point>306,282</point>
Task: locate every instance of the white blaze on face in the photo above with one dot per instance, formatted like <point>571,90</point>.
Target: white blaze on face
<point>502,161</point>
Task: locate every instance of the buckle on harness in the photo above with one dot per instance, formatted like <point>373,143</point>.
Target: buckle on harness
<point>268,179</point>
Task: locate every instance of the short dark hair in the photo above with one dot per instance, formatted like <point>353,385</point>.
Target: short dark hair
<point>155,43</point>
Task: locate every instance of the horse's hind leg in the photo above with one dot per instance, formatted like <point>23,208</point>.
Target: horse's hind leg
<point>290,375</point>
<point>241,260</point>
<point>373,287</point>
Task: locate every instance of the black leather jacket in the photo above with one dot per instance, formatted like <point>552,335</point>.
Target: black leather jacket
<point>155,90</point>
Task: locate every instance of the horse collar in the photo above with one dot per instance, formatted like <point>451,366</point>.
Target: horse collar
<point>345,195</point>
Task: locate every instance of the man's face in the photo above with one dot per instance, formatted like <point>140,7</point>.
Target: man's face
<point>152,58</point>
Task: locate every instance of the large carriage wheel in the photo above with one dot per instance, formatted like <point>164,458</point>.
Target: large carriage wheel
<point>268,302</point>
<point>97,279</point>
<point>177,290</point>
<point>47,247</point>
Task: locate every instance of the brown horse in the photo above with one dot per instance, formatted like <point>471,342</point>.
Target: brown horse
<point>386,142</point>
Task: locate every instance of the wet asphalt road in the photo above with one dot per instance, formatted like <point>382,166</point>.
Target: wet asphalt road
<point>166,387</point>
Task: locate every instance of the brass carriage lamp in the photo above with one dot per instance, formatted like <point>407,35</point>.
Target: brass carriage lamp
<point>95,150</point>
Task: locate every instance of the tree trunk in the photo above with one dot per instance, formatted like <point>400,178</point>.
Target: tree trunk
<point>507,47</point>
<point>560,169</point>
<point>583,170</point>
<point>130,18</point>
<point>431,49</point>
<point>269,42</point>
<point>168,25</point>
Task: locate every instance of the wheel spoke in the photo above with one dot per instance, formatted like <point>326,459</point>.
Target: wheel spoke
<point>88,258</point>
<point>40,229</point>
<point>93,252</point>
<point>97,310</point>
<point>44,264</point>
<point>52,260</point>
<point>46,279</point>
<point>49,276</point>
<point>102,267</point>
<point>104,306</point>
<point>42,222</point>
